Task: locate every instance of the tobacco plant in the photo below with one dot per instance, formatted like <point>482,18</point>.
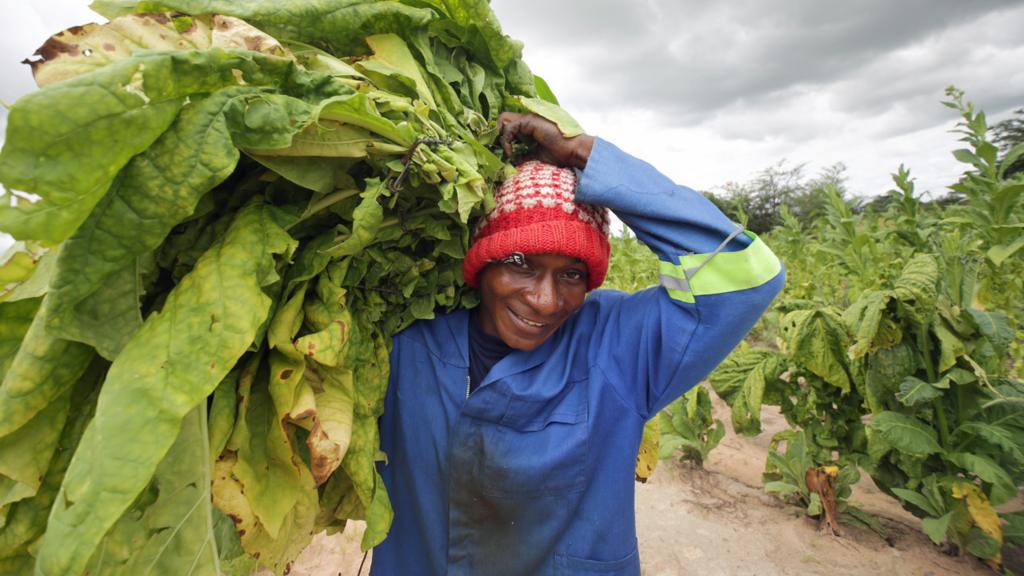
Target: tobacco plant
<point>907,372</point>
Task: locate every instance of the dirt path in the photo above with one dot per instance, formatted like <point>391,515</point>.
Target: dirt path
<point>718,521</point>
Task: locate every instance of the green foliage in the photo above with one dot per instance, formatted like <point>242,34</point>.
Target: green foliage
<point>899,345</point>
<point>687,427</point>
<point>232,223</point>
<point>632,266</point>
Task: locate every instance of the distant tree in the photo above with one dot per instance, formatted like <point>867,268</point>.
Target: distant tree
<point>757,203</point>
<point>1010,133</point>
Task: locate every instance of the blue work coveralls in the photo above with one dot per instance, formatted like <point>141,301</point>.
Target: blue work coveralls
<point>534,472</point>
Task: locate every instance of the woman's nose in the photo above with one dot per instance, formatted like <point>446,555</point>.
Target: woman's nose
<point>543,296</point>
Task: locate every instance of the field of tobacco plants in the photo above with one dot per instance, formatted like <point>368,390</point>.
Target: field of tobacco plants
<point>895,351</point>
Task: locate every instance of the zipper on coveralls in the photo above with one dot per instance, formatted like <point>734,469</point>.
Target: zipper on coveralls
<point>467,384</point>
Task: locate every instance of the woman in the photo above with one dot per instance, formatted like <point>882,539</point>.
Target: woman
<point>512,431</point>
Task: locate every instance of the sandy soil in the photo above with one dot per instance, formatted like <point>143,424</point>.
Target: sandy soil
<point>718,521</point>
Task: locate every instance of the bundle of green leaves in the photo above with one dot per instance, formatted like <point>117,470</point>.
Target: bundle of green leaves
<point>236,205</point>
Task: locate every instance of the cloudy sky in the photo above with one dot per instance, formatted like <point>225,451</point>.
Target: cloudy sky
<point>712,92</point>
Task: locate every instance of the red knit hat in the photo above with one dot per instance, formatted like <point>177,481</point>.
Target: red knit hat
<point>536,212</point>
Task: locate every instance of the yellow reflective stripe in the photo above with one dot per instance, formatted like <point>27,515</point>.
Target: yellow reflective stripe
<point>673,279</point>
<point>720,272</point>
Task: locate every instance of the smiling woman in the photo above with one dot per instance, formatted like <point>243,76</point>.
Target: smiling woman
<point>524,301</point>
<point>512,430</point>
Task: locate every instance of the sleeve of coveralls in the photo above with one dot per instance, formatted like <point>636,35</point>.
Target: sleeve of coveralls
<point>716,279</point>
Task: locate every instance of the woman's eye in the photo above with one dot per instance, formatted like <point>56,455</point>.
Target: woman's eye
<point>573,274</point>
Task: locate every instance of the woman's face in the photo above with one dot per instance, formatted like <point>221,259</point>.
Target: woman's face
<point>524,304</point>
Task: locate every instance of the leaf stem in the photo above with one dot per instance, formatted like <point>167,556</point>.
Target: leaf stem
<point>208,482</point>
<point>926,353</point>
<point>326,202</point>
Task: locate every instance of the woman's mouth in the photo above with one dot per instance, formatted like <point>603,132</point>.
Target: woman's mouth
<point>527,321</point>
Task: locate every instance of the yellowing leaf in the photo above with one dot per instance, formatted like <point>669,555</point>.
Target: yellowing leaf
<point>83,49</point>
<point>296,528</point>
<point>647,456</point>
<point>332,428</point>
<point>981,511</point>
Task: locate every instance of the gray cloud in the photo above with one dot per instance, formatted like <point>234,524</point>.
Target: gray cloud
<point>693,59</point>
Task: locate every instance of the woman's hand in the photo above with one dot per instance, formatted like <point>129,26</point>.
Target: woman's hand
<point>552,147</point>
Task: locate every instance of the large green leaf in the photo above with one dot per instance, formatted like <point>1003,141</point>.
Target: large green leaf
<point>174,361</point>
<point>996,328</point>
<point>904,433</point>
<point>25,454</point>
<point>936,528</point>
<point>865,319</point>
<point>884,370</point>
<point>918,282</point>
<point>389,49</point>
<point>1002,439</point>
<point>1013,531</point>
<point>567,125</point>
<point>742,380</point>
<point>360,110</point>
<point>914,390</point>
<point>482,32</point>
<point>157,189</point>
<point>43,369</point>
<point>121,110</point>
<point>172,532</point>
<point>26,519</point>
<point>817,339</point>
<point>916,499</point>
<point>15,320</point>
<point>999,254</point>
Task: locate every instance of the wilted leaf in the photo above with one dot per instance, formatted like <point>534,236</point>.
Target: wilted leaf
<point>328,441</point>
<point>366,220</point>
<point>865,318</point>
<point>295,531</point>
<point>918,281</point>
<point>951,346</point>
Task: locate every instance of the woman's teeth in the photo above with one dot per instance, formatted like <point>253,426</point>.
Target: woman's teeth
<point>529,322</point>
